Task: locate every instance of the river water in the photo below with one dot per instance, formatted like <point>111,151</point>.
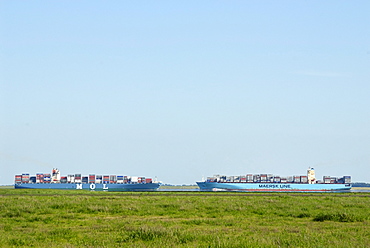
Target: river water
<point>359,190</point>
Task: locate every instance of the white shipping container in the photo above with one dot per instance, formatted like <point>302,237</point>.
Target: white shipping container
<point>71,178</point>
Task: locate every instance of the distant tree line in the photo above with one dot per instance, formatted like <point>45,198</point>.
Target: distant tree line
<point>360,184</point>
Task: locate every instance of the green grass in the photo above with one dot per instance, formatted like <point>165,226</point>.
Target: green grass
<point>191,219</point>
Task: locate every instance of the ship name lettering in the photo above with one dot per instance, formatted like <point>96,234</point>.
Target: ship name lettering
<point>274,186</point>
<point>105,186</point>
<point>284,186</point>
<point>78,186</point>
<point>92,186</point>
<point>268,186</point>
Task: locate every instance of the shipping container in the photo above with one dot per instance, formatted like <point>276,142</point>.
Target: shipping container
<point>91,178</point>
<point>249,178</point>
<point>211,179</point>
<point>112,179</point>
<point>289,179</point>
<point>98,179</point>
<point>78,178</point>
<point>119,179</point>
<point>105,179</point>
<point>327,179</point>
<point>236,179</point>
<point>134,179</point>
<point>270,178</point>
<point>18,178</point>
<point>277,179</point>
<point>71,178</point>
<point>263,178</point>
<point>304,179</point>
<point>296,179</point>
<point>256,178</point>
<point>85,179</point>
<point>126,179</point>
<point>39,178</point>
<point>32,179</point>
<point>47,178</point>
<point>25,178</point>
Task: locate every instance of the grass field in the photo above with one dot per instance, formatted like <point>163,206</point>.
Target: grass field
<point>191,219</point>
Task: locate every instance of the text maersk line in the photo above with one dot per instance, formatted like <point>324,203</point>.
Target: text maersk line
<point>280,186</point>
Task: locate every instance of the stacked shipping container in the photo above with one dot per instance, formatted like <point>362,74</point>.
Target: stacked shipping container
<point>77,178</point>
<point>269,178</point>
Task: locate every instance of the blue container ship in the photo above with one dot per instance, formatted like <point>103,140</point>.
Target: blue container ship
<point>271,183</point>
<point>90,182</point>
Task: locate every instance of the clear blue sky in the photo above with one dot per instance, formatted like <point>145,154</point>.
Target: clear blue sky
<point>185,89</point>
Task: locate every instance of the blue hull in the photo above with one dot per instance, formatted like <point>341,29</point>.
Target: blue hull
<point>271,187</point>
<point>92,186</point>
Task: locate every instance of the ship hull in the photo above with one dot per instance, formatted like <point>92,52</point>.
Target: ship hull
<point>271,187</point>
<point>92,186</point>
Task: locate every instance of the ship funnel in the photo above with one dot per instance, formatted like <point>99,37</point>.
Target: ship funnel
<point>311,175</point>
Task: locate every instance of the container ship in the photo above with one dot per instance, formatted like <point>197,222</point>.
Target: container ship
<point>90,182</point>
<point>269,182</point>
